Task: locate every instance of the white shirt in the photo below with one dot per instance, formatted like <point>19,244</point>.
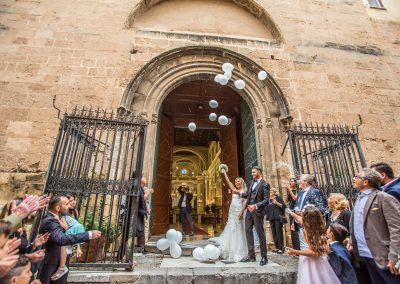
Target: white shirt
<point>255,183</point>
<point>184,200</point>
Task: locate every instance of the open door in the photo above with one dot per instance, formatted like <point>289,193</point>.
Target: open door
<point>249,141</point>
<point>163,177</point>
<point>230,158</point>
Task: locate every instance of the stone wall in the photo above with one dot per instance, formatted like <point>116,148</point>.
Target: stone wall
<point>334,64</point>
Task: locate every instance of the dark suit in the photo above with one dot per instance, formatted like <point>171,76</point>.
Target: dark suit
<point>140,225</point>
<point>260,197</point>
<point>340,260</point>
<point>184,213</point>
<point>57,239</point>
<point>274,216</point>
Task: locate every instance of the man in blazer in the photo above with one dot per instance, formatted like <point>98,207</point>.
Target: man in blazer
<point>257,197</point>
<point>58,206</point>
<point>375,228</point>
<point>185,208</point>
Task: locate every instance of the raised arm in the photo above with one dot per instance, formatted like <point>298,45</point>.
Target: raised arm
<point>58,236</point>
<point>231,186</point>
<point>180,190</point>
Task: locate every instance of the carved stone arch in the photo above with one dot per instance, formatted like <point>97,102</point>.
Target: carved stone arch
<point>251,6</point>
<point>147,90</point>
<point>153,83</point>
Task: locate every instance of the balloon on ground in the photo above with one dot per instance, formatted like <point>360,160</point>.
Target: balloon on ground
<point>162,244</point>
<point>175,250</point>
<point>172,235</point>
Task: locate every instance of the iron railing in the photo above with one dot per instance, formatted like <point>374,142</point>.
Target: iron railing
<point>97,158</point>
<point>331,153</point>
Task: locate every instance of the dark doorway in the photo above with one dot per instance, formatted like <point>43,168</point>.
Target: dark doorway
<point>211,143</point>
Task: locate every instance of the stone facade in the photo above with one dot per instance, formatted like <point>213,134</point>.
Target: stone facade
<point>333,62</point>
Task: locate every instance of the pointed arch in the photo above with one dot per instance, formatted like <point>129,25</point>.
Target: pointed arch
<point>251,6</point>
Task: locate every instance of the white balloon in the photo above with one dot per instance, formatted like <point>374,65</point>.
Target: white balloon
<point>223,120</point>
<point>172,235</point>
<point>198,254</point>
<point>228,75</point>
<point>213,116</point>
<point>240,84</point>
<point>223,80</point>
<point>209,251</point>
<point>216,253</point>
<point>262,75</point>
<point>162,244</point>
<point>192,126</point>
<point>217,78</point>
<point>175,250</point>
<point>227,67</point>
<point>180,237</point>
<point>213,104</point>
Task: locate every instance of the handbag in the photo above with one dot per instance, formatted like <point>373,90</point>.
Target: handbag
<point>283,219</point>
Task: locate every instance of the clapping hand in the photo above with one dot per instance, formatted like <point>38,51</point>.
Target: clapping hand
<point>41,240</point>
<point>36,256</point>
<point>7,263</point>
<point>12,245</point>
<point>31,204</point>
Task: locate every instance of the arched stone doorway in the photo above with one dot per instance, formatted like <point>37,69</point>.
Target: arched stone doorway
<point>148,89</point>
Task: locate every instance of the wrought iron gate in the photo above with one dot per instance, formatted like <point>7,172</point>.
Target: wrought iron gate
<point>98,158</point>
<point>331,153</point>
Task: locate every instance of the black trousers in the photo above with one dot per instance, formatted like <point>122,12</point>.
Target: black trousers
<point>294,236</point>
<point>185,215</point>
<point>378,275</point>
<point>255,219</point>
<point>277,233</point>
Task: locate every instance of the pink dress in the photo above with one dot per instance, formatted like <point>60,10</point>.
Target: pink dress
<point>315,270</point>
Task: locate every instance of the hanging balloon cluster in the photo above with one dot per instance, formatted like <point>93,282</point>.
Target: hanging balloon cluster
<point>223,80</point>
<point>210,252</point>
<point>174,238</point>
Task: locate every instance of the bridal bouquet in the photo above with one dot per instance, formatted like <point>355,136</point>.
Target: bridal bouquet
<point>223,168</point>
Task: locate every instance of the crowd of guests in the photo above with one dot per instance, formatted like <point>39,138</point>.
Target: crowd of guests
<point>340,245</point>
<point>44,259</point>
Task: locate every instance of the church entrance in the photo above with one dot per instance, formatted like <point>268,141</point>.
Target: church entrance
<point>194,157</point>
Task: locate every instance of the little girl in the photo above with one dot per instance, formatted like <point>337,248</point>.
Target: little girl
<point>72,227</point>
<point>314,266</point>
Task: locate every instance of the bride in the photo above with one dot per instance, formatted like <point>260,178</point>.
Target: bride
<point>232,241</point>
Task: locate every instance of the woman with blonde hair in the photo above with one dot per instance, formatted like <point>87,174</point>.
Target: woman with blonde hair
<point>232,241</point>
<point>339,210</point>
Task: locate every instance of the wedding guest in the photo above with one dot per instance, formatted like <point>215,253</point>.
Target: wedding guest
<point>340,258</point>
<point>291,196</point>
<point>142,215</point>
<point>185,208</point>
<point>20,273</point>
<point>374,229</point>
<point>276,216</point>
<point>339,210</point>
<point>58,206</point>
<point>314,266</point>
<point>391,184</point>
<point>72,227</point>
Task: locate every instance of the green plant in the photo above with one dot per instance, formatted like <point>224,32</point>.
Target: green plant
<point>93,223</point>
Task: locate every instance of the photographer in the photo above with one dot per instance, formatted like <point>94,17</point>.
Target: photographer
<point>185,207</point>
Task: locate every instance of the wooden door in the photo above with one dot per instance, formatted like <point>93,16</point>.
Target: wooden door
<point>163,177</point>
<point>230,158</point>
<point>249,141</point>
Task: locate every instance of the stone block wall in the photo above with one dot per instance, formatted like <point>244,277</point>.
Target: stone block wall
<point>335,64</point>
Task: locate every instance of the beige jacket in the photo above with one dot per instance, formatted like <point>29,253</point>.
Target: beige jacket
<point>381,228</point>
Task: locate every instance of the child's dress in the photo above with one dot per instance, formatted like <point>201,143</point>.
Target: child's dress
<point>316,270</point>
<point>74,227</point>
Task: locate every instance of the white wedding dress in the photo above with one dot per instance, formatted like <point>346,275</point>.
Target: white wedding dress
<point>232,241</point>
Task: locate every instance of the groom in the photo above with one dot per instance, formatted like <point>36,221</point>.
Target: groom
<point>257,200</point>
